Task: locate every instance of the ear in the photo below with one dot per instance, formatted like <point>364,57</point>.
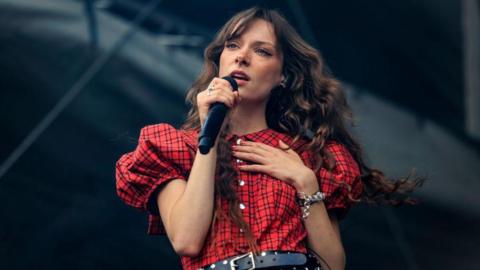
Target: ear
<point>283,82</point>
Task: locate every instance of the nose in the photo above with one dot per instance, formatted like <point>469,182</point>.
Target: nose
<point>242,59</point>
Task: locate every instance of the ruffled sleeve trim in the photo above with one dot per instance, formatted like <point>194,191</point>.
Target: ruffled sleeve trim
<point>160,156</point>
<point>342,185</point>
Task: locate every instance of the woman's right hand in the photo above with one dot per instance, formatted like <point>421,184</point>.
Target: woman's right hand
<point>222,92</point>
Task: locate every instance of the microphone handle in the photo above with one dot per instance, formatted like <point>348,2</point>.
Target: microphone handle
<point>211,127</point>
<point>213,122</point>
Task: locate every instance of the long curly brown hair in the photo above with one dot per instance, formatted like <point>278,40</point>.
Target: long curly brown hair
<point>312,100</point>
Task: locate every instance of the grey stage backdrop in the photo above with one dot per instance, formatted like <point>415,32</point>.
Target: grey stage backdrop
<point>401,62</point>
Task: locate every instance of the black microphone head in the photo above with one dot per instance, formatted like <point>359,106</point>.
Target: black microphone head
<point>232,82</point>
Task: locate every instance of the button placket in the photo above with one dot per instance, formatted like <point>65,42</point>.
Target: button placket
<point>240,181</point>
<point>238,142</point>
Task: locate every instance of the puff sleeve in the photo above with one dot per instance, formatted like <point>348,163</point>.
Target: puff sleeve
<point>161,155</point>
<point>342,182</point>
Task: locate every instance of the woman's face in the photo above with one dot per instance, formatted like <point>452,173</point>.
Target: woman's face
<point>254,60</point>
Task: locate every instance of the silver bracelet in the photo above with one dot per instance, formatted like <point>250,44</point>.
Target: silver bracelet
<point>305,201</point>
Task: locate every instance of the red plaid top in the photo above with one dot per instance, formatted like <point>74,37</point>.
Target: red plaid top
<point>268,205</point>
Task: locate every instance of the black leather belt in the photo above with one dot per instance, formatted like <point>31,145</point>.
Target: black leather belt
<point>267,260</point>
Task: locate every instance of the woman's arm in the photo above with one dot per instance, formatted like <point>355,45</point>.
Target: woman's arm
<point>186,207</point>
<point>323,232</point>
<point>323,229</point>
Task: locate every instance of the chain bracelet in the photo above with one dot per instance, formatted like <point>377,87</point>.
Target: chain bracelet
<point>305,201</point>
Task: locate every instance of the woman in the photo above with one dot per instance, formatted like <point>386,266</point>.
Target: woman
<point>282,172</point>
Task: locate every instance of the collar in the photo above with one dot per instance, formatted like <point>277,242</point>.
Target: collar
<point>267,136</point>
<point>264,135</point>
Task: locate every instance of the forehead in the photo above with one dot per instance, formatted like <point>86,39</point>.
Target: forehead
<point>256,30</point>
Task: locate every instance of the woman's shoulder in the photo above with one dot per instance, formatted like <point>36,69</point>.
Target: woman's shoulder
<point>166,134</point>
<point>334,145</point>
<point>160,130</point>
<point>337,149</point>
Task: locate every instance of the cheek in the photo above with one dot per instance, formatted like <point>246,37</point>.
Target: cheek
<point>271,74</point>
<point>222,63</point>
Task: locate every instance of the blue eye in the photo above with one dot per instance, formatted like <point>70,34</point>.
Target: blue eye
<point>231,45</point>
<point>263,52</point>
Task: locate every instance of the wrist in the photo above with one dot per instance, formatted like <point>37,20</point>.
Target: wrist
<point>305,201</point>
<point>307,182</point>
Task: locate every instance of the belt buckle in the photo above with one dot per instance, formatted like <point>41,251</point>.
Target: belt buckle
<point>233,265</point>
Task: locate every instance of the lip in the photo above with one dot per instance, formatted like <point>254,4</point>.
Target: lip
<point>240,73</point>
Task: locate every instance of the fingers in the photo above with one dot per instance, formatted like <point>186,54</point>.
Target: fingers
<point>255,168</point>
<point>259,147</point>
<point>227,89</point>
<point>243,148</point>
<point>255,152</point>
<point>218,91</point>
<point>284,146</point>
<point>267,151</point>
<point>222,97</point>
<point>221,91</point>
<point>252,157</point>
<point>222,83</point>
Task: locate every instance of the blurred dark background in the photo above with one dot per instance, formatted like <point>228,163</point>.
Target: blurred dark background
<point>80,78</point>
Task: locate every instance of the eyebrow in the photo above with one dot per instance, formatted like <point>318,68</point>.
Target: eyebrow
<point>257,42</point>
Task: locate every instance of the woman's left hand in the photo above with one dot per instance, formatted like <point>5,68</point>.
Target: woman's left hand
<point>282,163</point>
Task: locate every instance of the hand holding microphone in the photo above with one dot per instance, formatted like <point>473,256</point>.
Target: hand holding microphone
<point>213,105</point>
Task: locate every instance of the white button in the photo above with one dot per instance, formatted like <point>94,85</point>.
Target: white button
<point>241,183</point>
<point>212,266</point>
<point>241,230</point>
<point>242,206</point>
<point>225,262</point>
<point>239,141</point>
<point>239,160</point>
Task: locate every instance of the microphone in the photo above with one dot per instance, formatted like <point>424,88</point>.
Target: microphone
<point>214,122</point>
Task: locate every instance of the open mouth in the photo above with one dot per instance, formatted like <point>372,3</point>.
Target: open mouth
<point>239,76</point>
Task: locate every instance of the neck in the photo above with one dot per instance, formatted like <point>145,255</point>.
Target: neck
<point>248,118</point>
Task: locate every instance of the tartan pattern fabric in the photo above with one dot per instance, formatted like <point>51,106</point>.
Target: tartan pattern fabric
<point>268,205</point>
